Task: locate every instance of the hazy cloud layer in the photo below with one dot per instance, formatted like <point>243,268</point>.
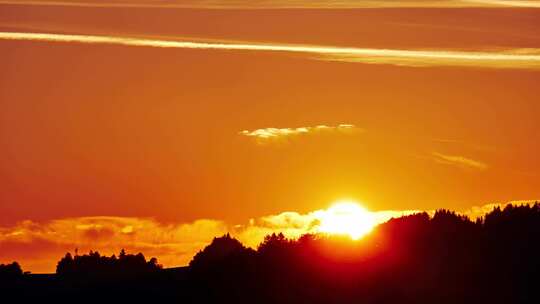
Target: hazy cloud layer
<point>458,160</point>
<point>38,246</point>
<point>513,58</point>
<point>282,3</point>
<point>44,243</point>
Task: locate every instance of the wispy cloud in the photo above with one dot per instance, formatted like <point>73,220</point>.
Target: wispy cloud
<point>225,4</point>
<point>458,160</point>
<point>513,58</point>
<point>511,3</point>
<point>268,134</point>
<point>497,58</point>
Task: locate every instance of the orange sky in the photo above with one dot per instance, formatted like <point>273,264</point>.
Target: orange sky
<point>137,132</point>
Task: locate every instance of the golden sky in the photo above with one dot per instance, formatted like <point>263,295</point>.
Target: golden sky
<point>188,123</point>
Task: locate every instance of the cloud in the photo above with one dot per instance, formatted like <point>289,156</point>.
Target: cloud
<point>510,3</point>
<point>501,58</point>
<point>460,161</point>
<point>267,134</point>
<point>512,58</point>
<point>476,212</point>
<point>227,4</point>
<point>38,246</point>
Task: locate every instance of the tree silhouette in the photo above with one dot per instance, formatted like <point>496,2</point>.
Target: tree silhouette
<point>10,271</point>
<point>95,265</point>
<point>444,258</point>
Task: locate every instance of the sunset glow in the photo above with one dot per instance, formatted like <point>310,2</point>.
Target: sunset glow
<point>347,218</point>
<point>155,126</point>
<point>283,151</point>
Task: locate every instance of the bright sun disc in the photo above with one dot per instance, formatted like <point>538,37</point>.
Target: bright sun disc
<point>347,218</point>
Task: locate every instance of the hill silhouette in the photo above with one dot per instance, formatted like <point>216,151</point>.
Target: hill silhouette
<point>444,258</point>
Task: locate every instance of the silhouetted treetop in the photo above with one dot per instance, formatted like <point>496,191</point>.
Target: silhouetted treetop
<point>10,271</point>
<point>94,264</point>
<point>219,251</point>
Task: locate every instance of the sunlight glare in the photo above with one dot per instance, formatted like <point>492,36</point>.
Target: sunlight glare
<point>347,218</point>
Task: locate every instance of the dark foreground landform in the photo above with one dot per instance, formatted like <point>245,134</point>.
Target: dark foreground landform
<point>446,258</point>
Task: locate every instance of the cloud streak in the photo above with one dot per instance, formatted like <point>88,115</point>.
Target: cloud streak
<point>268,134</point>
<point>504,3</point>
<point>458,160</point>
<point>230,4</point>
<point>513,58</point>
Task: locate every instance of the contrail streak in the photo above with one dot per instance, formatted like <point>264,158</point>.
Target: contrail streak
<point>516,58</point>
<point>510,3</point>
<point>221,4</point>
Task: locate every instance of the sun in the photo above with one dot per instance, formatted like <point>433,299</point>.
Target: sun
<point>346,218</point>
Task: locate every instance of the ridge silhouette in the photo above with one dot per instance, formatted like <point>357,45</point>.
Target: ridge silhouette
<point>446,258</point>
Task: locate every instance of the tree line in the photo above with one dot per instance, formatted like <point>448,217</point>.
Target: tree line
<point>444,258</point>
